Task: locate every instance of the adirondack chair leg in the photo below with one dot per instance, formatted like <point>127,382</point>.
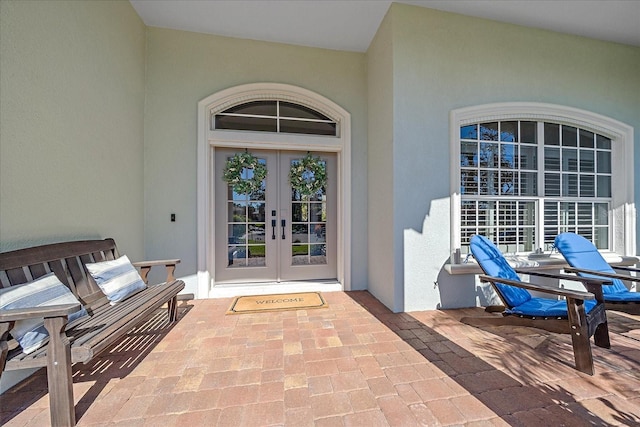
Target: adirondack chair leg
<point>601,336</point>
<point>580,336</point>
<point>598,317</point>
<point>59,373</point>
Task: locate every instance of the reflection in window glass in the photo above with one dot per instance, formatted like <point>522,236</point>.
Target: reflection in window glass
<point>469,132</point>
<point>489,131</point>
<point>509,131</point>
<point>503,184</point>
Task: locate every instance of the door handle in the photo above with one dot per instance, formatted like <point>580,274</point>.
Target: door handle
<point>273,229</point>
<point>283,222</point>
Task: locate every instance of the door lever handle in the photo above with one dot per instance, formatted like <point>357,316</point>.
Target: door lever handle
<point>283,222</point>
<point>273,229</point>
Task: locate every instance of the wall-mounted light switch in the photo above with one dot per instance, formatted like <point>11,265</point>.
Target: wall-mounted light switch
<point>173,217</point>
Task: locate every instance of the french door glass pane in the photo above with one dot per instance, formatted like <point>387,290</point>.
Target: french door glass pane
<point>246,246</point>
<point>308,225</point>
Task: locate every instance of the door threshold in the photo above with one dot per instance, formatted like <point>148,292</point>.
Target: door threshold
<point>228,290</point>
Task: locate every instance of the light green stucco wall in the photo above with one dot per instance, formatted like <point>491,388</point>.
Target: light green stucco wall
<point>444,61</point>
<point>381,252</point>
<point>71,125</point>
<point>183,68</point>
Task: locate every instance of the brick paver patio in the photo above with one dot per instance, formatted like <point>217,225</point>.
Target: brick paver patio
<point>352,364</point>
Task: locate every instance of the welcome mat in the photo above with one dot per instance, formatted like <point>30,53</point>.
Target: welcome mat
<point>277,302</point>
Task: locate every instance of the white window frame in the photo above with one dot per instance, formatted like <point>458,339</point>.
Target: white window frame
<point>622,212</point>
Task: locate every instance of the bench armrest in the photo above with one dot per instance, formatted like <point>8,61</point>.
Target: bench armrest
<point>145,266</point>
<point>569,293</point>
<point>15,314</point>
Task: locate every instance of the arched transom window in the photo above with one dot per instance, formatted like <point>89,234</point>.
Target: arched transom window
<point>274,116</point>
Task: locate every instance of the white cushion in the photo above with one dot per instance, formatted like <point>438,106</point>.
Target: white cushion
<point>118,279</point>
<point>46,290</point>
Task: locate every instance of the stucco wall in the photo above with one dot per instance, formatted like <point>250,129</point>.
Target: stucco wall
<point>381,252</point>
<point>71,124</point>
<point>184,68</point>
<point>444,61</point>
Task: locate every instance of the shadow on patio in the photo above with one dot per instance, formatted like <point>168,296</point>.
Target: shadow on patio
<point>354,363</point>
<point>525,375</point>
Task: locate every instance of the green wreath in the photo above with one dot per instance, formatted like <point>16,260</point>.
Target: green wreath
<point>234,169</point>
<point>308,175</point>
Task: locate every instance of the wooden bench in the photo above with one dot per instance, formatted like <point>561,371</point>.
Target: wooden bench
<point>82,342</point>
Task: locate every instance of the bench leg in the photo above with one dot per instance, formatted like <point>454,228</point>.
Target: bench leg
<point>580,336</point>
<point>4,345</point>
<point>59,373</point>
<point>172,308</point>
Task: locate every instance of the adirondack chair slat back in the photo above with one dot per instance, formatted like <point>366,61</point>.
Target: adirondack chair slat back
<point>581,253</point>
<point>66,260</point>
<point>494,264</point>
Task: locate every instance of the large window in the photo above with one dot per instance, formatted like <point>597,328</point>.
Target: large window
<point>523,180</point>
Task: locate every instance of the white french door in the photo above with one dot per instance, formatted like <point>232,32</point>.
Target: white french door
<point>275,234</point>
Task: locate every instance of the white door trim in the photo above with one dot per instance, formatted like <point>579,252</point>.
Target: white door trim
<point>209,139</point>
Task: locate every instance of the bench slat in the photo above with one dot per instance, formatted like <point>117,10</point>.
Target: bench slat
<point>37,270</point>
<point>16,276</point>
<point>58,268</point>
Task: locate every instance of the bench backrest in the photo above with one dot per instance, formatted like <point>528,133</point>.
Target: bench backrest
<point>67,260</point>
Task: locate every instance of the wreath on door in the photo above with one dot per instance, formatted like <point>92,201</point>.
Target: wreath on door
<point>235,169</point>
<point>308,175</point>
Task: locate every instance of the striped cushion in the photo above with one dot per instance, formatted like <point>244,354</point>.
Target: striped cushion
<point>118,279</point>
<point>46,290</point>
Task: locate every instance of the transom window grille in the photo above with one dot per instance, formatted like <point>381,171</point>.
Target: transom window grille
<point>274,116</point>
<point>524,182</point>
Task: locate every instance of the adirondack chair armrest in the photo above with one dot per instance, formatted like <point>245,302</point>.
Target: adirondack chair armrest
<point>593,284</point>
<point>15,314</point>
<point>625,268</point>
<point>604,274</point>
<point>145,267</point>
<point>569,293</point>
<point>591,280</point>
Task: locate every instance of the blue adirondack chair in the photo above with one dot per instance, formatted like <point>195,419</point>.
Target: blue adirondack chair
<point>586,261</point>
<point>581,314</point>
